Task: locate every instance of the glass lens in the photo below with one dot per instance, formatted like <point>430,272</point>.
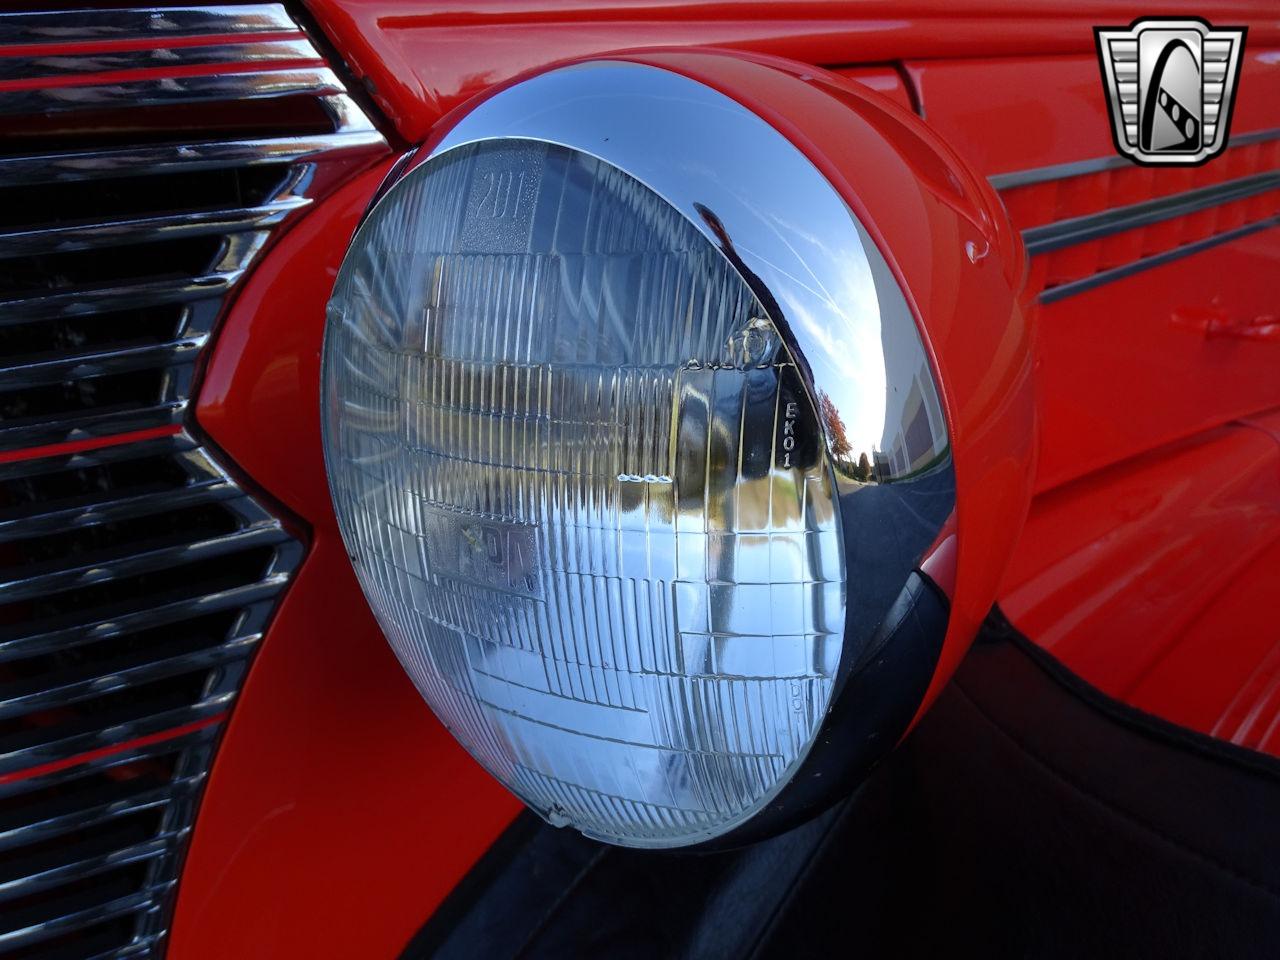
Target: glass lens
<point>585,491</point>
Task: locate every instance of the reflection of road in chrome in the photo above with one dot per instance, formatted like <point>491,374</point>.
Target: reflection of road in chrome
<point>887,528</point>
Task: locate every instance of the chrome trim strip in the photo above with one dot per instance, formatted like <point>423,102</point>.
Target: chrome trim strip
<point>71,26</point>
<point>187,741</point>
<point>91,423</point>
<point>63,637</point>
<point>141,947</point>
<point>1062,291</point>
<point>1076,168</point>
<point>34,522</point>
<point>132,161</point>
<point>173,90</point>
<point>1064,233</point>
<point>111,680</point>
<point>104,299</point>
<point>49,750</point>
<point>109,61</point>
<point>130,563</point>
<point>150,849</point>
<point>170,226</point>
<point>179,443</point>
<point>80,818</point>
<point>100,363</point>
<point>266,55</point>
<point>144,899</point>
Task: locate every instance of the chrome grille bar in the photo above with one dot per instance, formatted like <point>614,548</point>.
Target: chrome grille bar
<point>120,564</point>
<point>174,90</point>
<point>136,577</point>
<point>80,817</point>
<point>103,299</point>
<point>144,617</point>
<point>63,26</point>
<point>110,61</point>
<point>38,752</point>
<point>222,154</point>
<point>101,363</point>
<point>109,233</point>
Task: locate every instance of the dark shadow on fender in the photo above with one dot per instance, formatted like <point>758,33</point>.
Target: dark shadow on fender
<point>1027,816</point>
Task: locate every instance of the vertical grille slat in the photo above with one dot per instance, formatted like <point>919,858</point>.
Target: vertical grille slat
<point>137,577</point>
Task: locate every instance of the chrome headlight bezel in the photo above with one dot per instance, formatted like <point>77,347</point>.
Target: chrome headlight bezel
<point>844,318</point>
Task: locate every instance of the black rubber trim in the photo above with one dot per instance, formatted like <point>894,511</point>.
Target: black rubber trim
<point>465,896</point>
<point>998,629</point>
<point>1029,815</point>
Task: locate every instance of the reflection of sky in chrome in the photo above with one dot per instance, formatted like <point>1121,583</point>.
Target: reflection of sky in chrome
<point>697,148</point>
<point>847,357</point>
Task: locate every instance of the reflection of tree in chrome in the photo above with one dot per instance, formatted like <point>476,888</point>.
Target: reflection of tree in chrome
<point>856,466</point>
<point>840,446</point>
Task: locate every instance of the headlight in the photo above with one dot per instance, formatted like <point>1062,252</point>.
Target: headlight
<point>637,451</point>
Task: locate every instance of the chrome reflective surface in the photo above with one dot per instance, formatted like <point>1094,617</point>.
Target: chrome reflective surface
<point>307,164</point>
<point>89,635</point>
<point>351,137</point>
<point>583,490</point>
<point>861,413</point>
<point>146,228</point>
<point>172,90</point>
<point>62,64</point>
<point>71,26</point>
<point>136,580</point>
<point>775,217</point>
<point>800,248</point>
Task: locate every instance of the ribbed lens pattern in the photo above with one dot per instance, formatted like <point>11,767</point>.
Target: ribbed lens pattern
<point>585,491</point>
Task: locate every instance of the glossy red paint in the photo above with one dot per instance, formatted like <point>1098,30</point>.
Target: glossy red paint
<point>1155,579</point>
<point>1025,112</point>
<point>339,812</point>
<point>883,80</point>
<point>1137,363</point>
<point>1150,555</point>
<point>423,57</point>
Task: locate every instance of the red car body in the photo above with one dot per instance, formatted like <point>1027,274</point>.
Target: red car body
<point>340,814</point>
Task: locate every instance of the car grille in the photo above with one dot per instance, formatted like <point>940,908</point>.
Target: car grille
<point>146,158</point>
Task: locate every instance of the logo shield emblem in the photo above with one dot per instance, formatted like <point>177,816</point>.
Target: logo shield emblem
<point>1170,88</point>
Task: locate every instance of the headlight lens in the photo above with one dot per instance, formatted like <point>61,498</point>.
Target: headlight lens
<point>586,491</point>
